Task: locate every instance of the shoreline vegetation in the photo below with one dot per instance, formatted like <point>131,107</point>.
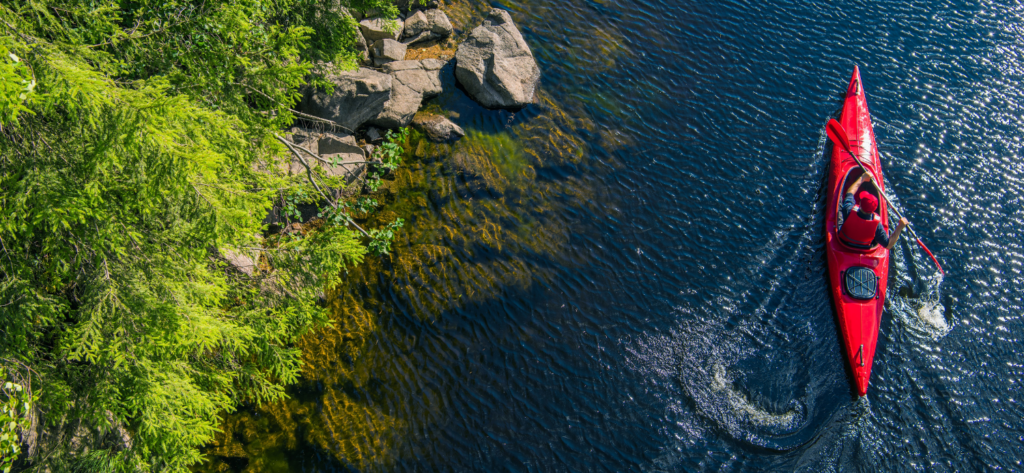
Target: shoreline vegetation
<point>177,213</point>
<point>136,144</point>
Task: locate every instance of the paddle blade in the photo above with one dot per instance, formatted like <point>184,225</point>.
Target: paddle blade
<point>936,260</point>
<point>837,134</point>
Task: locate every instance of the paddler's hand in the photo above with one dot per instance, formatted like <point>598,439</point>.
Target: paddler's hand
<point>896,234</point>
<point>865,177</point>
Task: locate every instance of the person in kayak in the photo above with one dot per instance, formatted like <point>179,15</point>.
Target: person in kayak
<point>863,229</point>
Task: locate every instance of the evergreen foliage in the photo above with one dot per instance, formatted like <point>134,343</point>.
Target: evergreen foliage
<point>136,151</point>
<point>13,419</point>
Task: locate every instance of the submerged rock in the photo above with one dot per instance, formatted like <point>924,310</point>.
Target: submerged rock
<point>387,50</point>
<point>426,25</point>
<point>437,128</point>
<point>377,28</point>
<point>496,66</point>
<point>359,96</point>
<point>412,82</point>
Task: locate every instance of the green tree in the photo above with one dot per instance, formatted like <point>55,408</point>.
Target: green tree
<point>137,152</point>
<point>15,402</point>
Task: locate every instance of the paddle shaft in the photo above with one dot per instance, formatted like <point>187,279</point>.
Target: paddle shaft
<point>839,135</point>
<point>881,192</point>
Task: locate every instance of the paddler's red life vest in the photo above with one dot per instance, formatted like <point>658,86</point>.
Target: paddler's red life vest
<point>858,232</point>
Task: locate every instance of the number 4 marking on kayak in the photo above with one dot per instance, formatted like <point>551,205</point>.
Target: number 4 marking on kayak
<point>860,355</point>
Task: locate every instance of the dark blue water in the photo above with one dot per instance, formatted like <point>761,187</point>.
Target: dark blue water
<point>637,283</point>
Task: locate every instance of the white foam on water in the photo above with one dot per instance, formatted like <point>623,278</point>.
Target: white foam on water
<point>743,408</point>
<point>697,362</point>
<point>932,314</point>
<point>925,315</point>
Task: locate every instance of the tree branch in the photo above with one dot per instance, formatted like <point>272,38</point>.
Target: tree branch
<point>162,29</point>
<point>321,120</point>
<point>312,180</point>
<point>322,160</point>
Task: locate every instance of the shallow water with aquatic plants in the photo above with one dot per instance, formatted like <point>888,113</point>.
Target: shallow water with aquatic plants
<point>630,274</point>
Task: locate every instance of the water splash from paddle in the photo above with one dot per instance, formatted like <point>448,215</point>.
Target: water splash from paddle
<point>919,304</point>
<point>930,310</point>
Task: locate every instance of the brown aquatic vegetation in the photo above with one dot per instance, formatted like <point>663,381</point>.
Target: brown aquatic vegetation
<point>473,207</point>
<point>466,15</point>
<point>443,50</point>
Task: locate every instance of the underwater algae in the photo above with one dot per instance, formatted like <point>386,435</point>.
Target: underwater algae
<point>471,208</point>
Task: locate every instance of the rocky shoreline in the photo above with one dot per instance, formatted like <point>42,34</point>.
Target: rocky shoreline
<point>493,65</point>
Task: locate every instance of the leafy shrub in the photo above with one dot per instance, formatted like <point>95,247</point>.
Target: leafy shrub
<point>132,136</point>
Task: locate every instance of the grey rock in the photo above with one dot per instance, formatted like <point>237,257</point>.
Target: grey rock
<point>376,28</point>
<point>355,14</point>
<point>423,76</point>
<point>387,50</point>
<point>374,135</point>
<point>240,260</point>
<point>358,96</point>
<point>335,7</point>
<point>437,128</point>
<point>304,137</point>
<point>412,82</point>
<point>341,156</point>
<point>427,25</point>
<point>496,66</point>
<point>334,143</point>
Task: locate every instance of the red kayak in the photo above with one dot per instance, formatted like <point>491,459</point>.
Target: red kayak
<point>857,276</point>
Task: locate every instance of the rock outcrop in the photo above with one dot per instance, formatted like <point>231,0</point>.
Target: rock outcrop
<point>426,25</point>
<point>377,28</point>
<point>387,50</point>
<point>437,128</point>
<point>496,66</point>
<point>412,82</point>
<point>359,96</point>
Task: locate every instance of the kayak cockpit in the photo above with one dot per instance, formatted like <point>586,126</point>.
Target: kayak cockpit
<point>848,180</point>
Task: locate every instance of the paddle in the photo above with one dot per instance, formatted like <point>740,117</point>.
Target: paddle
<point>837,134</point>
